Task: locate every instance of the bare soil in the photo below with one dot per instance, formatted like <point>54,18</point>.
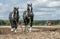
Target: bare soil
<point>42,33</point>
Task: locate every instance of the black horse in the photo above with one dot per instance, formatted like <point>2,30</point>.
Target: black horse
<point>14,18</point>
<point>28,17</point>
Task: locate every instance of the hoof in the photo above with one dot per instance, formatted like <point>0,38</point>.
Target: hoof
<point>30,29</point>
<point>15,31</point>
<point>12,30</point>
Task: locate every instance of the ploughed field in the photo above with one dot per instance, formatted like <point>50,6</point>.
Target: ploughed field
<point>43,32</point>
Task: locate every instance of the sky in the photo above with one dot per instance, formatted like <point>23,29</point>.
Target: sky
<point>42,9</point>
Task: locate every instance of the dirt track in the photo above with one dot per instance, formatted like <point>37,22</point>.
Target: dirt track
<point>42,33</point>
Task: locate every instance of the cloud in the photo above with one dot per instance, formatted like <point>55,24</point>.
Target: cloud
<point>54,4</point>
<point>1,4</point>
<point>42,9</point>
<point>3,7</point>
<point>38,2</point>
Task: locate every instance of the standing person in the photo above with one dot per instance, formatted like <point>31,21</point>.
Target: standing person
<point>49,24</point>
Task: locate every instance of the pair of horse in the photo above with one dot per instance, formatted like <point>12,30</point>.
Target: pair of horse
<point>27,18</point>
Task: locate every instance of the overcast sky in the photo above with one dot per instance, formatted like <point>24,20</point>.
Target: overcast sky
<point>42,9</point>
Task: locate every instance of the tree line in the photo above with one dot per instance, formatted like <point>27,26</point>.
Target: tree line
<point>36,22</point>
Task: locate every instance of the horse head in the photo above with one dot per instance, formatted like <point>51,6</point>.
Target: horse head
<point>16,13</point>
<point>15,10</point>
<point>29,8</point>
